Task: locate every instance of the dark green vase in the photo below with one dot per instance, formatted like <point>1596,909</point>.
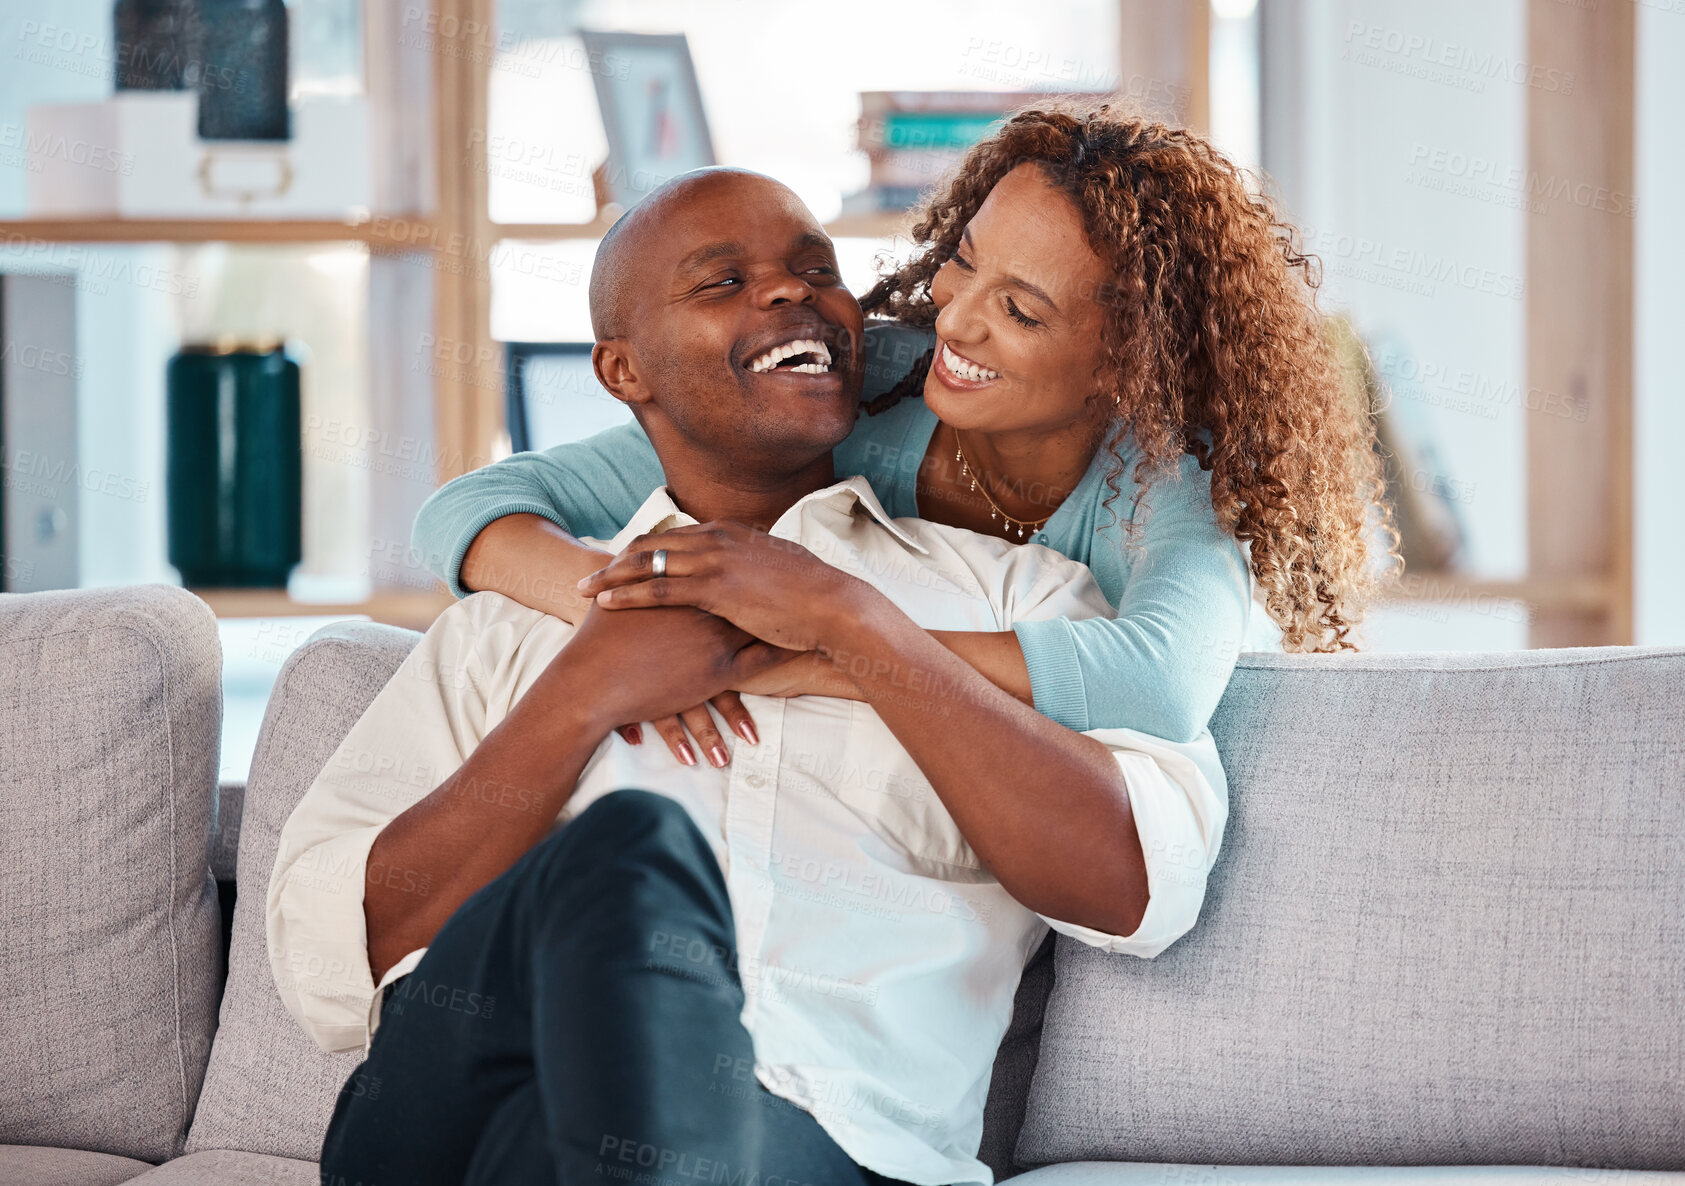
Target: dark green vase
<point>234,466</point>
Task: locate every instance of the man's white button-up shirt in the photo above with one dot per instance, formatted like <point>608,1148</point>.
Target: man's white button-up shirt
<point>878,958</point>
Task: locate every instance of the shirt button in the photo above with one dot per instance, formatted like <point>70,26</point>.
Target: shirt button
<point>756,780</point>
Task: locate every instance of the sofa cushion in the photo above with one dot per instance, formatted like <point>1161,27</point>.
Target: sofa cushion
<point>230,1167</point>
<point>1113,1173</point>
<point>38,1165</point>
<point>109,956</point>
<point>1015,1062</point>
<point>1448,927</point>
<point>225,828</point>
<point>269,1089</point>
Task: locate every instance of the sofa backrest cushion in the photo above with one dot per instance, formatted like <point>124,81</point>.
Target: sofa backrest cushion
<point>269,1089</point>
<point>1015,1063</point>
<point>110,713</point>
<point>1448,926</point>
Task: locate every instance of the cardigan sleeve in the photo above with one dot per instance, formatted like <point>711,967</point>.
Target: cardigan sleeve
<point>1182,588</point>
<point>587,488</point>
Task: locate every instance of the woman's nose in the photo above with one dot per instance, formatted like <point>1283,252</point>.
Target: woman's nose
<point>960,320</point>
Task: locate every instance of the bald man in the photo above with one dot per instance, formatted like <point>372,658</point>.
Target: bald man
<point>574,959</point>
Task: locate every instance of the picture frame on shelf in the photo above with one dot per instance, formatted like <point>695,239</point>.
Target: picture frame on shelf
<point>651,107</point>
<point>552,395</point>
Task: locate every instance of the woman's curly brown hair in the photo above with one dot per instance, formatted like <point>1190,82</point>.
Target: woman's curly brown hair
<point>1213,346</point>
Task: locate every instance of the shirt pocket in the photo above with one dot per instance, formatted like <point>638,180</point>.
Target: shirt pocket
<point>882,785</point>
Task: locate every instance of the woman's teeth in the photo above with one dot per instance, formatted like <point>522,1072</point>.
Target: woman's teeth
<point>965,368</point>
<point>820,352</point>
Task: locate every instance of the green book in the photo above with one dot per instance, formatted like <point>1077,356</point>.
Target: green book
<point>937,129</point>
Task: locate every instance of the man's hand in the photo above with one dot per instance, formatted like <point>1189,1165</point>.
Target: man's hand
<point>649,664</point>
<point>774,588</point>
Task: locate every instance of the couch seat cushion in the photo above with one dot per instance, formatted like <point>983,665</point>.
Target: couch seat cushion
<point>1113,1173</point>
<point>230,1167</point>
<point>39,1165</point>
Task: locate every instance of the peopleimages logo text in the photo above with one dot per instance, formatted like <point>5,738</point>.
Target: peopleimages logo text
<point>1449,55</point>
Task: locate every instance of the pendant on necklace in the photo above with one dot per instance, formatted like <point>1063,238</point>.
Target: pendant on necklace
<point>996,515</point>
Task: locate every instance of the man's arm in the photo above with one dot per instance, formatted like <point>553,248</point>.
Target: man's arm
<point>345,899</point>
<point>1046,809</point>
<point>427,720</point>
<point>473,826</point>
<point>506,794</point>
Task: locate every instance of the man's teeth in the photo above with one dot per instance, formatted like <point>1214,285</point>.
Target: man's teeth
<point>789,350</point>
<point>965,368</point>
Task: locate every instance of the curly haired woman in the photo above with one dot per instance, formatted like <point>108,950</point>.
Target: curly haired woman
<point>1120,358</point>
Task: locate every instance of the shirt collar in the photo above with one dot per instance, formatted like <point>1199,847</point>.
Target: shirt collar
<point>659,513</point>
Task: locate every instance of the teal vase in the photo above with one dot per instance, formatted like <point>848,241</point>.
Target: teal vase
<point>234,466</point>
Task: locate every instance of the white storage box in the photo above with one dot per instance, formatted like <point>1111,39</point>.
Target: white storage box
<point>137,156</point>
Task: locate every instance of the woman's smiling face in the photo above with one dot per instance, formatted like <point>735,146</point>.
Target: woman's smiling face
<point>1019,328</point>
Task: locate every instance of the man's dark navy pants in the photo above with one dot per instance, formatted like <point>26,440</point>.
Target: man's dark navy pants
<point>576,1021</point>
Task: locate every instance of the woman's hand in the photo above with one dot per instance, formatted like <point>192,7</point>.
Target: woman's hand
<point>710,745</point>
<point>677,730</point>
<point>799,673</point>
<point>803,673</point>
<point>772,588</point>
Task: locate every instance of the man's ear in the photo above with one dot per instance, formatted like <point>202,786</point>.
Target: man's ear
<point>618,372</point>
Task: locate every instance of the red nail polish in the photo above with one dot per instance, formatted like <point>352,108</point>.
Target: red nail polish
<point>635,735</point>
<point>686,754</point>
<point>746,730</point>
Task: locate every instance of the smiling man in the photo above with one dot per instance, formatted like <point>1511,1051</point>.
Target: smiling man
<point>571,957</point>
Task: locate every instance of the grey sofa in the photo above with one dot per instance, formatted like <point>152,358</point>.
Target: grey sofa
<point>1445,940</point>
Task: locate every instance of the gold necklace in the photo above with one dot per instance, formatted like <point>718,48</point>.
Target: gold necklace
<point>1022,526</point>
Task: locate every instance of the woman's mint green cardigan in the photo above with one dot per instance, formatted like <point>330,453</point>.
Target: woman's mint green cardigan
<point>1179,582</point>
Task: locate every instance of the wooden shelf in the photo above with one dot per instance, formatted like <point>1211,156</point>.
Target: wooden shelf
<point>408,232</point>
<point>412,610</point>
<point>548,232</point>
<point>1573,594</point>
<point>853,226</point>
<point>871,226</point>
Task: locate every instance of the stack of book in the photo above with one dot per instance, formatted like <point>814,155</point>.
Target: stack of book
<point>914,139</point>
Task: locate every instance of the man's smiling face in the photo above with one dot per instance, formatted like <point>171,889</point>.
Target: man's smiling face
<point>736,320</point>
